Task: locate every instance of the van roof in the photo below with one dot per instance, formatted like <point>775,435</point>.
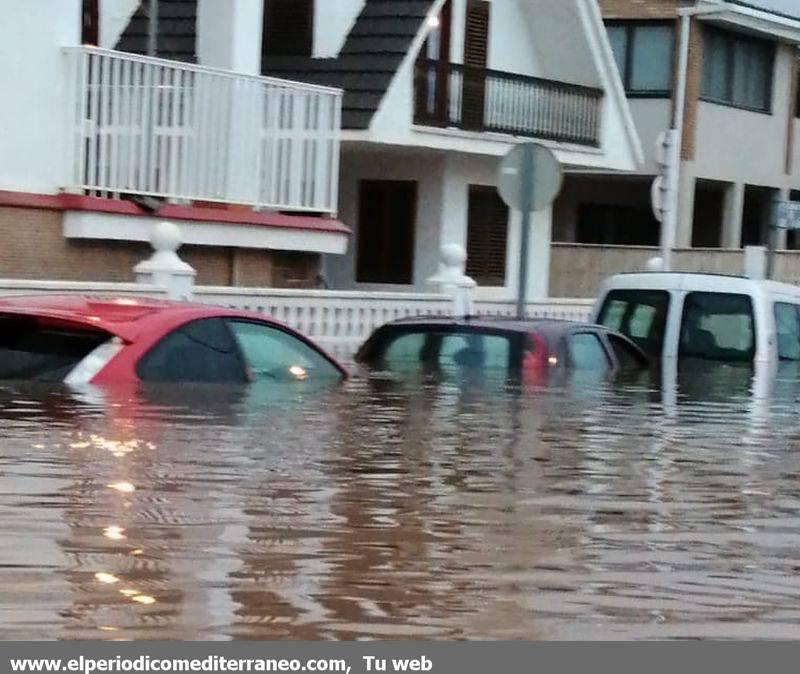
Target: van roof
<point>697,281</point>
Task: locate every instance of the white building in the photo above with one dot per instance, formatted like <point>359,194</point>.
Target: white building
<point>98,143</point>
<point>436,91</point>
<point>740,137</point>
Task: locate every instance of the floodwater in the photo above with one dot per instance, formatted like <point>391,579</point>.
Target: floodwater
<point>384,509</point>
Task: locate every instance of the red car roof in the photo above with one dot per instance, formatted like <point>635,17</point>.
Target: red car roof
<point>124,317</point>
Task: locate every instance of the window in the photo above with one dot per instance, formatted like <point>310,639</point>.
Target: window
<point>586,352</point>
<point>717,326</point>
<point>617,225</point>
<point>487,236</point>
<point>737,69</point>
<point>627,357</point>
<point>271,353</point>
<point>787,323</point>
<point>797,88</point>
<point>90,22</point>
<point>640,315</point>
<point>644,55</point>
<point>33,350</point>
<point>202,351</point>
<point>433,83</point>
<point>476,54</point>
<point>443,350</point>
<point>288,28</point>
<point>387,214</point>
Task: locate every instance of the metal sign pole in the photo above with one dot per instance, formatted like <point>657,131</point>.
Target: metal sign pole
<point>527,186</point>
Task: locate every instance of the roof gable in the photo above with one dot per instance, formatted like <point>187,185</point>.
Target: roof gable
<point>371,56</point>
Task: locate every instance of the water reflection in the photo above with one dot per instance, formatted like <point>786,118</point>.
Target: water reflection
<point>663,507</point>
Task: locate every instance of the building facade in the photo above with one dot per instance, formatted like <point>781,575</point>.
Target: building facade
<point>436,92</point>
<point>100,141</point>
<point>741,131</point>
<point>237,130</point>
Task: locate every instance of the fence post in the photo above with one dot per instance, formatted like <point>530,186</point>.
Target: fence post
<point>453,281</point>
<point>164,268</point>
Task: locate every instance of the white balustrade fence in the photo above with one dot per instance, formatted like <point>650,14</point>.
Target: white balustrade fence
<point>149,126</point>
<point>342,320</point>
<point>338,320</point>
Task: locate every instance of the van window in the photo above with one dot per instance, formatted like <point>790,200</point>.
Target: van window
<point>717,326</point>
<point>787,324</point>
<point>640,315</point>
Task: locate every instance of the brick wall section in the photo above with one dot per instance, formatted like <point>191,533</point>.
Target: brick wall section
<point>295,270</point>
<point>32,246</point>
<point>642,9</point>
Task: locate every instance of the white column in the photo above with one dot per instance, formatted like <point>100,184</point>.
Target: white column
<point>732,211</point>
<point>229,34</point>
<point>538,254</point>
<point>229,37</point>
<point>37,95</point>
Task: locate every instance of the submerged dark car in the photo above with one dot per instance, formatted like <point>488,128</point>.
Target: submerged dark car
<point>529,351</point>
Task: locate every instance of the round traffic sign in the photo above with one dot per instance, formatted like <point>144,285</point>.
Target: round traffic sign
<point>529,176</point>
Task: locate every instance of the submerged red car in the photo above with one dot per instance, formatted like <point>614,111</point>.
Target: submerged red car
<point>79,340</point>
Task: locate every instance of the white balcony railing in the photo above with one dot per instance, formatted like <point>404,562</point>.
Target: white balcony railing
<point>148,126</point>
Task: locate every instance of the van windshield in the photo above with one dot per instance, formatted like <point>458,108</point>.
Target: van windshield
<point>640,315</point>
<point>33,349</point>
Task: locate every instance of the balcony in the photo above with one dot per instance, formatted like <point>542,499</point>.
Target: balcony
<point>475,99</point>
<point>153,127</point>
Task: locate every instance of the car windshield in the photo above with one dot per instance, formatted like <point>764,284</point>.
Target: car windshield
<point>35,349</point>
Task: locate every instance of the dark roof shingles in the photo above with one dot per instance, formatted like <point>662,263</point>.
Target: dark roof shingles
<point>177,30</point>
<point>372,53</point>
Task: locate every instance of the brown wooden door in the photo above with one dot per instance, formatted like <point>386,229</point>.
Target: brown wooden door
<point>387,213</point>
<point>476,52</point>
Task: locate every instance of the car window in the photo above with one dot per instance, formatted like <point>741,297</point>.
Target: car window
<point>787,324</point>
<point>411,351</point>
<point>586,352</point>
<point>272,353</point>
<point>404,352</point>
<point>627,357</point>
<point>640,315</point>
<point>717,326</point>
<point>32,349</point>
<point>475,350</point>
<point>202,351</point>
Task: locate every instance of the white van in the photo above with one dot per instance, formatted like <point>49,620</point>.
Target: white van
<point>707,316</point>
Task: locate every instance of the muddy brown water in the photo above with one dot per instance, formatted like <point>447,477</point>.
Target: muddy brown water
<point>403,510</point>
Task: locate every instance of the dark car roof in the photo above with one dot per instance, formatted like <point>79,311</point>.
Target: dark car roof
<point>551,329</point>
<point>495,323</point>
